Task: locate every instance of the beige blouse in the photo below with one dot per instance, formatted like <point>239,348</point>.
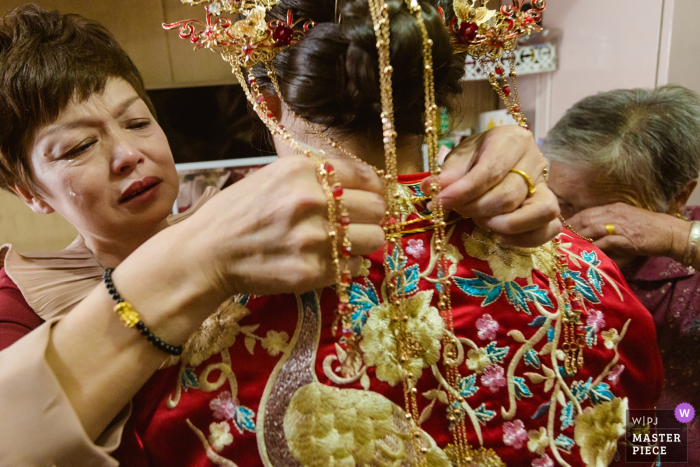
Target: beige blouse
<point>38,426</point>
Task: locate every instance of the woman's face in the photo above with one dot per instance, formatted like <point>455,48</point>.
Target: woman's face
<point>105,165</point>
<point>580,187</point>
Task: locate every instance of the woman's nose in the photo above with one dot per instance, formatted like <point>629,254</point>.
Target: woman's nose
<point>125,158</point>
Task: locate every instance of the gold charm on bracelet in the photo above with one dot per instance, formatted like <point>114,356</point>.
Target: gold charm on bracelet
<point>127,314</point>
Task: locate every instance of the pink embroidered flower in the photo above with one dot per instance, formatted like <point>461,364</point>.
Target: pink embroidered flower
<point>223,406</point>
<point>493,378</point>
<point>415,248</point>
<point>488,327</point>
<point>615,373</point>
<point>596,319</point>
<point>514,434</point>
<point>544,461</point>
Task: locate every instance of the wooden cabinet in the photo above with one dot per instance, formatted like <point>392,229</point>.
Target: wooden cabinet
<point>163,58</point>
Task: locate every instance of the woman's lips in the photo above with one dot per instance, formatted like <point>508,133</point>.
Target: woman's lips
<point>140,190</point>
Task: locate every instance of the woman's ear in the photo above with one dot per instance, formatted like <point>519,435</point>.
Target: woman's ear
<point>681,198</point>
<point>32,200</point>
<point>274,104</point>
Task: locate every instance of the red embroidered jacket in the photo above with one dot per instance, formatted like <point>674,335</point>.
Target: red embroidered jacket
<point>260,383</point>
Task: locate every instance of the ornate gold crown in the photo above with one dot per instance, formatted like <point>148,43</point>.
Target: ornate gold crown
<point>249,40</point>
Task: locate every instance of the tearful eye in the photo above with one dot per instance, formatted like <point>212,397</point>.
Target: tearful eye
<point>139,124</point>
<point>78,150</point>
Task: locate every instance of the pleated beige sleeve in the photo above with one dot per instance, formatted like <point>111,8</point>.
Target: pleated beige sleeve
<point>38,426</point>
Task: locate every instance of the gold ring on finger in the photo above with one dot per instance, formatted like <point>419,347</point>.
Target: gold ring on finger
<point>531,188</point>
<point>610,229</point>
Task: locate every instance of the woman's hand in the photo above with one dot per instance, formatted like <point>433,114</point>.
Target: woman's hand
<point>269,233</point>
<point>638,232</point>
<point>477,182</point>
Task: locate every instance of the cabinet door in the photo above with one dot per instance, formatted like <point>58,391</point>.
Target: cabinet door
<point>190,67</point>
<point>136,24</point>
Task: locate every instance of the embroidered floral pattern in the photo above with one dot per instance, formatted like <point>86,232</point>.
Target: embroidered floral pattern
<point>615,372</point>
<point>514,434</point>
<point>415,248</point>
<point>597,430</point>
<point>538,441</point>
<point>223,406</point>
<point>220,435</point>
<point>595,320</point>
<point>425,328</point>
<point>488,327</point>
<point>544,461</point>
<point>494,378</point>
<point>275,342</point>
<point>611,338</point>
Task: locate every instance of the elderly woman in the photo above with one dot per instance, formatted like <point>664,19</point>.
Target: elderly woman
<point>623,165</point>
<point>78,136</point>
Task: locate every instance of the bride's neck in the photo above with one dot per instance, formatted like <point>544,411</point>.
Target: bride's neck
<point>408,148</point>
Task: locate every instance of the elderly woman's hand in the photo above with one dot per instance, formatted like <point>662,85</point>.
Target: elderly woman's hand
<point>637,232</point>
<point>269,233</point>
<point>477,183</point>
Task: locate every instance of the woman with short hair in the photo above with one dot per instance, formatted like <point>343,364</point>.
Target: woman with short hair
<point>623,165</point>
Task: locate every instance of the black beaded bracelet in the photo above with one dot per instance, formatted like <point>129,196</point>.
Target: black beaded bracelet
<point>131,318</point>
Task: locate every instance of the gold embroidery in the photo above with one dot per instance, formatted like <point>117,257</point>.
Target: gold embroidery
<point>425,327</point>
<point>331,426</point>
<point>509,262</point>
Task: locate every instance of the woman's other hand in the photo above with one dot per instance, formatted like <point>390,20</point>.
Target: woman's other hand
<point>477,183</point>
<point>638,232</point>
<point>269,233</point>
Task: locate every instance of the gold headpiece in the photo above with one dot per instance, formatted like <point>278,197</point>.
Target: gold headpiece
<point>489,36</point>
<point>249,40</point>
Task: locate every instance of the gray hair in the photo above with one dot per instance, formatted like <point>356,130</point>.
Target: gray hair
<point>646,139</point>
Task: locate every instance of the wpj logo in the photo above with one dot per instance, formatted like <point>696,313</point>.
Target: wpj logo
<point>658,435</point>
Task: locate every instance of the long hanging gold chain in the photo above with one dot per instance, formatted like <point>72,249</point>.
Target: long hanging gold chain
<point>394,276</point>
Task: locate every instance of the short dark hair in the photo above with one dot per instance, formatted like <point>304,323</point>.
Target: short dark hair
<point>47,59</point>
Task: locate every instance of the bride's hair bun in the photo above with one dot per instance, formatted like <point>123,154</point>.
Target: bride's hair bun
<point>331,76</point>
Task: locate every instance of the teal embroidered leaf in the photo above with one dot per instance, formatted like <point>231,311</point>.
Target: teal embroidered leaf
<point>483,414</point>
<point>482,286</point>
<point>532,359</point>
<point>567,416</point>
<point>189,379</point>
<point>583,287</point>
<point>591,336</point>
<point>601,393</point>
<point>358,318</point>
<point>521,389</point>
<point>410,280</point>
<point>496,354</point>
<point>467,386</point>
<point>363,297</point>
<point>538,322</point>
<point>550,334</point>
<point>393,260</point>
<point>590,257</point>
<point>564,443</point>
<point>243,419</point>
<point>595,279</point>
<point>541,410</point>
<point>535,294</point>
<point>579,389</point>
<point>517,297</point>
